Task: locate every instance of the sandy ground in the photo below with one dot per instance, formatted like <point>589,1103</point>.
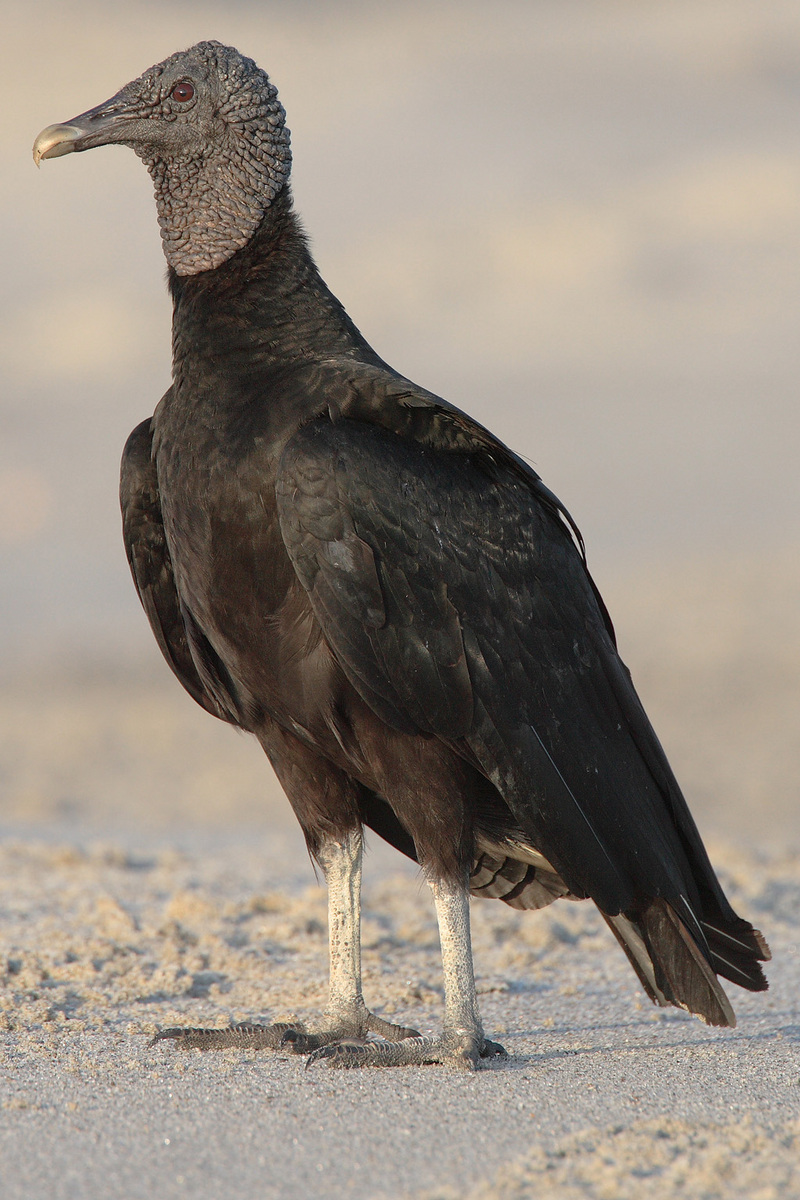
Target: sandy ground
<point>602,1095</point>
<point>151,874</point>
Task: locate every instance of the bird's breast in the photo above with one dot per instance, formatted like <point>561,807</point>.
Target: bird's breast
<point>231,568</point>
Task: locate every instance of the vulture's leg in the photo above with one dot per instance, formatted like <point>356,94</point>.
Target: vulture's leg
<point>346,1016</point>
<point>462,1042</point>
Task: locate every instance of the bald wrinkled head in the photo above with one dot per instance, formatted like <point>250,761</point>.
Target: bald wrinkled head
<point>208,124</point>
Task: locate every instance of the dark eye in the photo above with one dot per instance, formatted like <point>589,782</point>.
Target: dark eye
<point>182,91</point>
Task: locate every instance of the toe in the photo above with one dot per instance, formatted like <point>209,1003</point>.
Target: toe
<point>390,1031</point>
<point>344,1055</point>
<point>242,1037</point>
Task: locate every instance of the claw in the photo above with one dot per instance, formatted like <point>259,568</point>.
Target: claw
<point>299,1042</point>
<point>493,1050</point>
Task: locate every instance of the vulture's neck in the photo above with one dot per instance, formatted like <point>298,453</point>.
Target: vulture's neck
<point>264,312</point>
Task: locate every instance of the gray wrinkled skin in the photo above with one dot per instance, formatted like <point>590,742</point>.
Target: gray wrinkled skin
<point>218,161</point>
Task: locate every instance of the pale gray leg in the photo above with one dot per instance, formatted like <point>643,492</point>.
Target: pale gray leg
<point>341,862</point>
<point>346,1015</point>
<point>461,1016</point>
<point>462,1042</point>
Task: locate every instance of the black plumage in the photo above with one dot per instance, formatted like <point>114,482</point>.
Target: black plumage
<point>387,597</point>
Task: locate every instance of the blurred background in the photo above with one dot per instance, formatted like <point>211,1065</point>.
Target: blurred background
<point>579,220</point>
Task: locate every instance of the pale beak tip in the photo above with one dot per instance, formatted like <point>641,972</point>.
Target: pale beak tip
<point>54,141</point>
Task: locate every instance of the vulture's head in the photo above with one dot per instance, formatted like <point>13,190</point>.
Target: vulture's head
<point>209,126</point>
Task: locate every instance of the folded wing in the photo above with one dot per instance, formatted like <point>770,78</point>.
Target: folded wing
<point>459,605</point>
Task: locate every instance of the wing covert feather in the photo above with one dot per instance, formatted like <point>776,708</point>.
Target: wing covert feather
<point>393,628</point>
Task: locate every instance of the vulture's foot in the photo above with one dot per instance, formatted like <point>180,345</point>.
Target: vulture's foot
<point>453,1049</point>
<point>296,1038</point>
<point>350,1028</point>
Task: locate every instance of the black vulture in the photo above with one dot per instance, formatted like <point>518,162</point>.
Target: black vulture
<point>385,595</point>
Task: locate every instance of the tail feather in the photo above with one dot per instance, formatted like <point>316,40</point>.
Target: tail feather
<point>737,954</point>
<point>671,966</point>
<point>631,940</point>
<point>682,970</point>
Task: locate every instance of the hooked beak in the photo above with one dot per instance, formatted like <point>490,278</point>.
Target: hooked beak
<point>97,127</point>
<point>56,140</point>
